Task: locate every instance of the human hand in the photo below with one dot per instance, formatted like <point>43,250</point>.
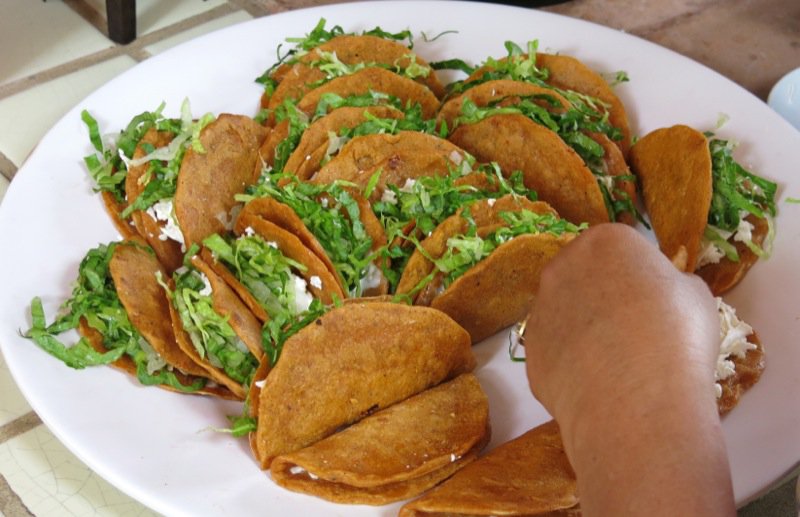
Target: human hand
<point>614,318</point>
<point>621,348</point>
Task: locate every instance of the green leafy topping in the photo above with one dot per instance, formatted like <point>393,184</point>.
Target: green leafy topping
<point>270,276</point>
<point>319,35</point>
<point>736,194</point>
<point>164,163</point>
<point>330,64</point>
<point>278,330</point>
<point>95,300</point>
<point>430,200</point>
<point>453,64</point>
<point>109,166</point>
<point>572,126</point>
<point>212,336</point>
<point>736,190</point>
<point>464,251</point>
<point>299,121</point>
<point>332,215</point>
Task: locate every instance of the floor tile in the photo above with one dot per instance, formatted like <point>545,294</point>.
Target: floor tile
<point>3,187</point>
<point>44,34</point>
<point>763,40</point>
<point>152,15</point>
<point>52,482</point>
<point>219,23</point>
<point>12,403</point>
<point>42,105</point>
<point>629,15</point>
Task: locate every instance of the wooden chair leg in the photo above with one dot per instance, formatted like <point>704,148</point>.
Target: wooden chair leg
<point>121,15</point>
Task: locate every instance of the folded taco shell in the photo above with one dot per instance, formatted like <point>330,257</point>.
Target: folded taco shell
<point>388,456</point>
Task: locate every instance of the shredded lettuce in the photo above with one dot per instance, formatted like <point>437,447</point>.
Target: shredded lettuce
<point>109,166</point>
<point>211,334</point>
<point>332,215</point>
<point>319,35</point>
<point>430,200</point>
<point>736,194</point>
<point>572,126</point>
<point>468,249</point>
<point>94,299</point>
<point>263,269</point>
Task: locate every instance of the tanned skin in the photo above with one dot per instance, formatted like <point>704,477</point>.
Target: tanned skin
<point>621,349</point>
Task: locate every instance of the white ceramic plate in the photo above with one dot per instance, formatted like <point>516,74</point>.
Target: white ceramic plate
<point>152,444</point>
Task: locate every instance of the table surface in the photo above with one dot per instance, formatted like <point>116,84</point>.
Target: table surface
<point>56,53</point>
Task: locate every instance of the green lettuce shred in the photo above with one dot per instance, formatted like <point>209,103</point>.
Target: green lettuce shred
<point>95,300</point>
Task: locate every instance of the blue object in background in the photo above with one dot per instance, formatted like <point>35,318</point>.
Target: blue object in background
<point>785,97</point>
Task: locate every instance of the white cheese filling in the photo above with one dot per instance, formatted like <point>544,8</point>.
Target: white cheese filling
<point>733,334</point>
<point>710,253</point>
<point>302,298</point>
<point>163,211</point>
<point>372,278</point>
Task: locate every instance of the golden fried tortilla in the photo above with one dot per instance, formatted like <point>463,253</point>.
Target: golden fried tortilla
<point>292,245</point>
<point>569,73</point>
<point>373,80</point>
<point>244,324</point>
<point>499,290</point>
<point>725,274</point>
<point>209,180</point>
<point>388,456</point>
<point>349,49</point>
<point>673,166</point>
<point>549,166</point>
<point>287,219</point>
<point>335,371</point>
<point>502,92</point>
<point>134,269</point>
<point>307,157</point>
<point>168,251</point>
<point>527,476</point>
<point>400,157</point>
<point>114,209</point>
<point>126,364</point>
<point>623,185</point>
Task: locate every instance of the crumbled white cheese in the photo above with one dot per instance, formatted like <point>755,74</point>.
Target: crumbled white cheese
<point>491,201</point>
<point>409,185</point>
<point>205,291</point>
<point>249,231</point>
<point>297,470</point>
<point>710,253</point>
<point>733,334</point>
<point>744,232</point>
<point>456,157</point>
<point>302,298</point>
<point>372,278</point>
<point>163,211</point>
<point>389,196</point>
<point>316,281</point>
<point>260,384</point>
<point>607,181</point>
<point>335,144</point>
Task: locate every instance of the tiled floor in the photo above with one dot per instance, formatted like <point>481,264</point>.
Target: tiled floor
<point>55,53</point>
